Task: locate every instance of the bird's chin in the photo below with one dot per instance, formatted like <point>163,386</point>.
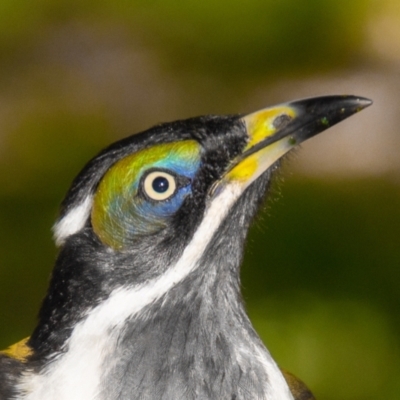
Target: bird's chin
<point>252,199</point>
<point>259,189</point>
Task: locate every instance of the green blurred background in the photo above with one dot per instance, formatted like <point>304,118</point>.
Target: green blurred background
<point>322,271</point>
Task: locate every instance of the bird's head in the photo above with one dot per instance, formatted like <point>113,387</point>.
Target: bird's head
<point>154,207</point>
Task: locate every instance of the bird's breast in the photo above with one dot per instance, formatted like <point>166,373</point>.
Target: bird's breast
<point>189,344</point>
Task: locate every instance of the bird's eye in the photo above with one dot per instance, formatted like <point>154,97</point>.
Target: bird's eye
<point>159,185</point>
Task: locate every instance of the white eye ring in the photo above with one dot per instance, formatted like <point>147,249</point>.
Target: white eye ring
<point>159,185</point>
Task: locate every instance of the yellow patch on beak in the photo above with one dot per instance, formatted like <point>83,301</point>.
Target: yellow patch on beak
<point>274,131</point>
<point>244,170</point>
<point>261,124</point>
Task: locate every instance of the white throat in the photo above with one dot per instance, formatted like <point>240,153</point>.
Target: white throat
<point>76,373</point>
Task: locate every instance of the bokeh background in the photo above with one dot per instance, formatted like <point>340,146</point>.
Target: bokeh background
<point>322,270</point>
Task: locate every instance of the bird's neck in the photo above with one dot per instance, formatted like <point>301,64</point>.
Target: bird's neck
<point>183,334</point>
<point>193,342</point>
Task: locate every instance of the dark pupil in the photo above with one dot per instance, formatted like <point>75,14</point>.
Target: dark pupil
<point>160,184</point>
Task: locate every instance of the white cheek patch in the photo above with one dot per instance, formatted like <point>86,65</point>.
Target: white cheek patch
<point>73,221</point>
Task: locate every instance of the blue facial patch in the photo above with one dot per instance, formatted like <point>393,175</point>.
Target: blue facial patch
<point>126,206</point>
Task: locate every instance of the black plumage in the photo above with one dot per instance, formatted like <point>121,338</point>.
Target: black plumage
<point>191,338</point>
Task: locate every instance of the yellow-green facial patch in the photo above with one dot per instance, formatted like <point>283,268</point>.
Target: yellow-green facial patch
<point>122,211</point>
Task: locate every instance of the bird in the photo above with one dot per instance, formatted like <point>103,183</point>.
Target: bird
<point>144,301</point>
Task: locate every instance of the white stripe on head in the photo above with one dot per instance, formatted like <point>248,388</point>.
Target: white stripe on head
<point>73,221</point>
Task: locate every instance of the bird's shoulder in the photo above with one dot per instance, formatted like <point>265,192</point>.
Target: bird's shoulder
<point>298,388</point>
<point>12,362</point>
<point>19,351</point>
